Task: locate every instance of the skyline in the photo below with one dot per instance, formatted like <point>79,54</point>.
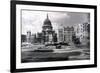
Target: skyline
<point>33,20</point>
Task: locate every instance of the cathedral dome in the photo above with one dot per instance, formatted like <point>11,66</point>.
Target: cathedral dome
<point>47,21</point>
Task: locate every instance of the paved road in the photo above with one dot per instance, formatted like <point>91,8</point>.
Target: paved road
<point>68,53</point>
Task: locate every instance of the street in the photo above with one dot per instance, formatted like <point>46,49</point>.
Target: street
<point>32,54</point>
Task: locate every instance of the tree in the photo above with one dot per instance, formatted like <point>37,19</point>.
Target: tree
<point>75,39</point>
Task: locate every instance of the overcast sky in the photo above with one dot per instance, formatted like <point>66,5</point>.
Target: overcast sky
<point>33,20</point>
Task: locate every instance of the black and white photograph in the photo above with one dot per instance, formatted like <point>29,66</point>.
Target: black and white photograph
<point>54,36</point>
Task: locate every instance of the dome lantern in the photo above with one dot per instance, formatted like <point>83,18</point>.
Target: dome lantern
<point>47,22</point>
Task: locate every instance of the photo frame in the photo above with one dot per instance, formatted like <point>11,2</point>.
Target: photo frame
<point>52,36</point>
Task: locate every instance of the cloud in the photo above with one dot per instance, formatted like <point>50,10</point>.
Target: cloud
<point>58,17</point>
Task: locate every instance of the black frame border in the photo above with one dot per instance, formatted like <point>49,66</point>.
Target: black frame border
<point>13,35</point>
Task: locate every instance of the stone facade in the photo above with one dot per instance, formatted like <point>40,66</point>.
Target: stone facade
<point>68,33</point>
<point>47,31</point>
<point>65,34</point>
<point>28,37</point>
<point>82,32</point>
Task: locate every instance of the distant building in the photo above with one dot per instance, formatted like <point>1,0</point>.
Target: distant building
<point>39,38</point>
<point>60,35</point>
<point>47,36</point>
<point>68,33</point>
<point>33,38</point>
<point>55,37</point>
<point>65,34</point>
<point>83,32</point>
<point>47,31</point>
<point>28,37</point>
